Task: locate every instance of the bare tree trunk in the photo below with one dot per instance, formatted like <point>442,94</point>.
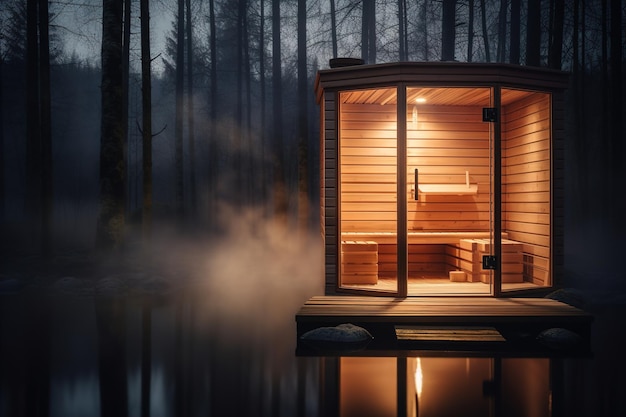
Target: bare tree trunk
<point>514,49</point>
<point>2,149</point>
<point>579,145</point>
<point>47,194</point>
<point>618,173</point>
<point>178,127</point>
<point>470,30</point>
<point>146,217</point>
<point>483,13</point>
<point>303,137</point>
<point>146,121</point>
<point>368,31</point>
<point>280,186</point>
<point>249,160</point>
<point>263,98</point>
<point>110,229</point>
<point>448,35</point>
<point>501,50</point>
<point>213,111</point>
<point>533,34</point>
<point>402,50</point>
<point>190,116</point>
<point>126,77</point>
<point>425,43</point>
<point>238,132</point>
<point>333,27</point>
<point>556,35</point>
<point>605,156</point>
<point>33,124</point>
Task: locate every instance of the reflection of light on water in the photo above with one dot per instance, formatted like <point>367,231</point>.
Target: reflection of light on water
<point>418,378</point>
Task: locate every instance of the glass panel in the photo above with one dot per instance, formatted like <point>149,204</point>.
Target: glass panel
<point>449,190</point>
<point>526,189</point>
<point>368,187</point>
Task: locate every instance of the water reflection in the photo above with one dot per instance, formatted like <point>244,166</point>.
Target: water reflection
<point>185,355</point>
<point>435,386</point>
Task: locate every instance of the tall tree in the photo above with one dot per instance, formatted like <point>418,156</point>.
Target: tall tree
<point>2,147</point>
<point>483,13</point>
<point>448,30</point>
<point>424,29</point>
<point>470,30</point>
<point>126,78</point>
<point>190,109</point>
<point>33,129</point>
<point>501,47</point>
<point>238,132</point>
<point>178,123</point>
<point>280,186</point>
<point>212,174</point>
<point>303,128</point>
<point>262,82</point>
<point>146,120</point>
<point>402,31</point>
<point>514,40</point>
<point>110,227</point>
<point>533,33</point>
<point>616,117</point>
<point>368,31</point>
<point>46,128</point>
<point>39,195</point>
<point>555,50</point>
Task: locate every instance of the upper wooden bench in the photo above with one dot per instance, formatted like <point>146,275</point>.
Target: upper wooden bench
<point>417,237</point>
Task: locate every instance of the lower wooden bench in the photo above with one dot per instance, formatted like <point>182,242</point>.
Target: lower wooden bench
<point>467,256</point>
<point>359,262</point>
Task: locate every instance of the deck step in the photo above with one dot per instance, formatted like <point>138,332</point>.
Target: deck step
<point>444,320</point>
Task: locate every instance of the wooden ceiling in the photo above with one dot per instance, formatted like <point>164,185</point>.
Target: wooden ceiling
<point>448,96</point>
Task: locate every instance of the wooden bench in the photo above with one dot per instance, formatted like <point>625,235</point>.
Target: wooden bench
<point>467,255</point>
<point>434,237</point>
<point>359,262</point>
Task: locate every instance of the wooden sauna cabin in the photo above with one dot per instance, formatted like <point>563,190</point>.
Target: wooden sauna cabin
<point>441,178</point>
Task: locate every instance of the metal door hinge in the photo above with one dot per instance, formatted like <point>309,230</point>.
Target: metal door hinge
<point>490,114</point>
<point>490,262</point>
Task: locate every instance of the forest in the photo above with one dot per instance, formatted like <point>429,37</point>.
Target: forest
<point>124,116</point>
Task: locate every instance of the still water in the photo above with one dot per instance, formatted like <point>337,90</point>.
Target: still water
<point>192,354</point>
<point>195,329</point>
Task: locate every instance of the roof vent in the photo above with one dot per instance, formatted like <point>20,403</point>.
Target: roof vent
<point>345,62</point>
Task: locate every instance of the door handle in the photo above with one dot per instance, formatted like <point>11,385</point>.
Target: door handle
<point>416,193</point>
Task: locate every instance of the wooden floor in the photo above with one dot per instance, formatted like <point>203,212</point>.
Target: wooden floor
<point>513,317</point>
<point>435,285</point>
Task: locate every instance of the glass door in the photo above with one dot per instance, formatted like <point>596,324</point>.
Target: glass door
<point>526,157</point>
<point>367,188</point>
<point>450,191</point>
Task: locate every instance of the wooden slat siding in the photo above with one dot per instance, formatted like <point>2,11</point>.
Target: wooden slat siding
<point>558,186</point>
<point>526,195</point>
<point>449,141</point>
<point>329,173</point>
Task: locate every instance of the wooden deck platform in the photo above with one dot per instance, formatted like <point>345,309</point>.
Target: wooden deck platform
<point>519,320</point>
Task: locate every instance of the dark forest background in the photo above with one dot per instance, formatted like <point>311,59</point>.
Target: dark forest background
<point>221,116</point>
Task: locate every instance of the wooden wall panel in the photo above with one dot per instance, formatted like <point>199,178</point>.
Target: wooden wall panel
<point>328,190</point>
<point>527,187</point>
<point>445,142</point>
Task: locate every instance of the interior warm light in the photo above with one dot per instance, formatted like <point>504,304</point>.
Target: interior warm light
<point>420,100</point>
<point>418,378</point>
<point>415,117</point>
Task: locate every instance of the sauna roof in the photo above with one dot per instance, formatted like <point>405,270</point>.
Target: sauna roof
<point>437,74</point>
